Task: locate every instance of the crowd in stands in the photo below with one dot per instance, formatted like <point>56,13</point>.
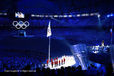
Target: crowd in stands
<point>68,71</point>
<point>20,62</point>
<point>33,63</point>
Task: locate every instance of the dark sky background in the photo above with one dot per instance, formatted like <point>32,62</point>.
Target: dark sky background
<point>56,6</point>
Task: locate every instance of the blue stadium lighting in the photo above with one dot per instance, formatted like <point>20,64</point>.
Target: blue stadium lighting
<point>91,14</point>
<point>98,15</point>
<point>78,15</point>
<point>55,15</point>
<point>3,13</point>
<point>46,16</point>
<point>69,15</point>
<point>86,14</point>
<point>110,15</point>
<point>37,15</point>
<point>32,15</point>
<point>83,14</point>
<point>41,15</point>
<point>50,15</point>
<point>60,15</point>
<point>65,16</point>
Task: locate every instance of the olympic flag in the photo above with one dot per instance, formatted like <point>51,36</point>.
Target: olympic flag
<point>48,35</point>
<point>49,30</point>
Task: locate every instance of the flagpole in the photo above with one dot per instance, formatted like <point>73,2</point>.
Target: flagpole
<point>49,35</point>
<point>112,48</point>
<point>111,33</point>
<point>49,48</point>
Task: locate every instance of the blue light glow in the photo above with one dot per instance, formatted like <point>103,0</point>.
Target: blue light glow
<point>110,15</point>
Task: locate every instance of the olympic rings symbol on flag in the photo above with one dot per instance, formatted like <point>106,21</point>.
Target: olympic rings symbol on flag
<point>21,24</point>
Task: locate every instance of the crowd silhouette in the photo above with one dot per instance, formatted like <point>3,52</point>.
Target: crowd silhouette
<point>35,63</point>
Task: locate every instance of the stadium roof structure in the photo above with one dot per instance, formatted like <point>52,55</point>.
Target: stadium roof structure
<point>56,6</point>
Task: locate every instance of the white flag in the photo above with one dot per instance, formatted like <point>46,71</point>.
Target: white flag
<point>49,30</point>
